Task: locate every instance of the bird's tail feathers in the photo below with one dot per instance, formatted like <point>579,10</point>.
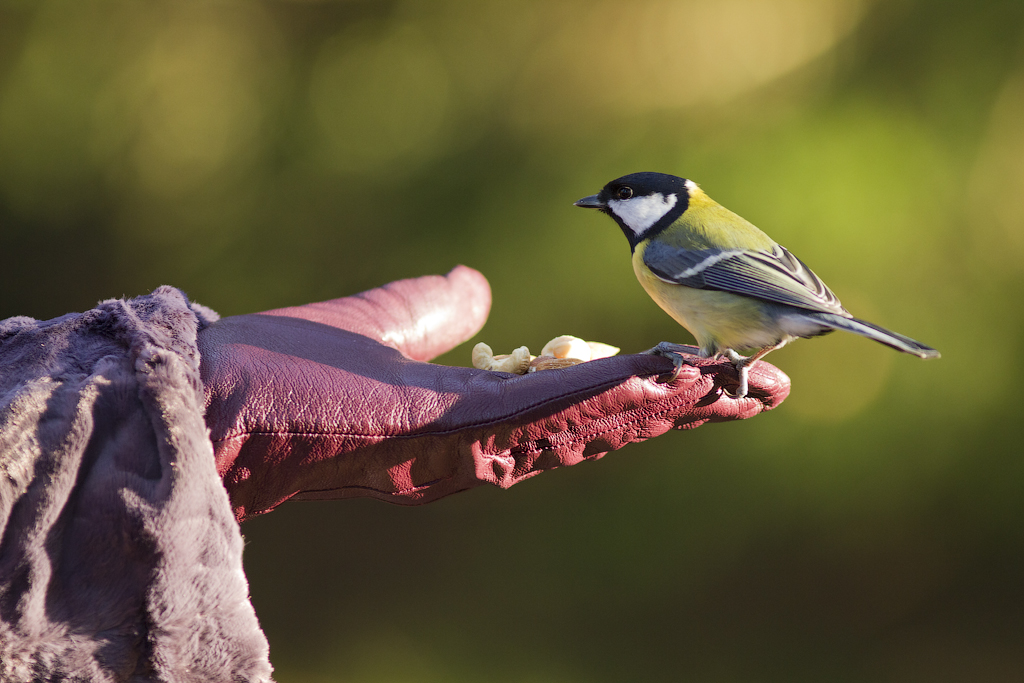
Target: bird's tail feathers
<point>879,334</point>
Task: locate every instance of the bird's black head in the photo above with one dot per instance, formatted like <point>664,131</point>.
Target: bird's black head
<point>642,204</point>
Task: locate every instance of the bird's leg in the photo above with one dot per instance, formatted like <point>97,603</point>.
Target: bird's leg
<point>674,352</point>
<point>743,363</point>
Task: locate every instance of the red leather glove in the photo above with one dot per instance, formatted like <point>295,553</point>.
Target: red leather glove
<point>334,400</point>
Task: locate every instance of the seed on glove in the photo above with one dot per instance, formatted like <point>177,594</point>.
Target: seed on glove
<point>560,352</point>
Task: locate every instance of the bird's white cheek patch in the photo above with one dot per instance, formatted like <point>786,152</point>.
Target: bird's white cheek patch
<point>640,213</point>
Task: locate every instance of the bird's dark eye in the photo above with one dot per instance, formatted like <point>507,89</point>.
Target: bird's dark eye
<point>625,192</point>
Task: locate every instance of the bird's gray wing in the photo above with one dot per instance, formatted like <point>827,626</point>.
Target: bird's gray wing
<point>774,275</point>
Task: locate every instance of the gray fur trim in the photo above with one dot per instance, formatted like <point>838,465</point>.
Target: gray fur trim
<point>119,556</point>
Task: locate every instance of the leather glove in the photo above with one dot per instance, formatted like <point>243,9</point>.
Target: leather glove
<point>335,400</point>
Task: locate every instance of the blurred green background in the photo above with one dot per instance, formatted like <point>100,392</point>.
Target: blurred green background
<point>264,154</point>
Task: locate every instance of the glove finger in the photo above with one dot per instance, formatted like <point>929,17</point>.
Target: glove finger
<point>421,317</point>
<point>425,431</point>
<point>607,395</point>
<point>560,418</point>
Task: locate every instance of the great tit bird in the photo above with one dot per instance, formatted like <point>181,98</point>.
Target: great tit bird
<point>721,278</point>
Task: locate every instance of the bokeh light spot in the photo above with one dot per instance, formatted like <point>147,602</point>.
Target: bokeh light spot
<point>660,54</point>
<point>379,102</point>
<point>198,112</point>
<point>997,181</point>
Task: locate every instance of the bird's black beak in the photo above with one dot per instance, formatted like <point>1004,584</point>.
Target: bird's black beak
<point>591,202</point>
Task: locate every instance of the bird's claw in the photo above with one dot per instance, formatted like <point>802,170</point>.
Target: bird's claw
<point>741,390</point>
<point>680,356</point>
<point>742,365</point>
<point>675,353</point>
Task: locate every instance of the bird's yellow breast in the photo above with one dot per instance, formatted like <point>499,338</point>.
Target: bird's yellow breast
<point>717,320</point>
